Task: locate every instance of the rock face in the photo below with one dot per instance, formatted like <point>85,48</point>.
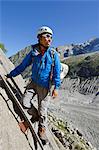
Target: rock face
<point>11,138</point>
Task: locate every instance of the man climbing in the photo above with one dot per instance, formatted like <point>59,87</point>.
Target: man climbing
<point>43,70</point>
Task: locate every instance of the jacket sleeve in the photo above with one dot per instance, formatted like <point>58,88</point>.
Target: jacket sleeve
<point>56,71</point>
<point>20,68</point>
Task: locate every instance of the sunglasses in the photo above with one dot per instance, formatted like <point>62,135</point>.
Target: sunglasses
<point>47,35</point>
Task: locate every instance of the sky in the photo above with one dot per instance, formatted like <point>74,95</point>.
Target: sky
<point>71,21</point>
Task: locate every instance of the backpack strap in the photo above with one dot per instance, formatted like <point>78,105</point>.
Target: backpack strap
<point>34,46</point>
<point>52,55</point>
<point>35,49</point>
<point>53,62</point>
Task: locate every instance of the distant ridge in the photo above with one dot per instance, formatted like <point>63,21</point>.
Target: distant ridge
<point>89,46</point>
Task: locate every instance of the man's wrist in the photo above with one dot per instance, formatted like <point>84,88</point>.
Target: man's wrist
<point>8,76</point>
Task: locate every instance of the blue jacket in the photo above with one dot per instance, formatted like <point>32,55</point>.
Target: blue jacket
<point>41,67</point>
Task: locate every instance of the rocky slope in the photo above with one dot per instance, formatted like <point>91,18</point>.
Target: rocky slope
<point>83,66</point>
<point>11,138</point>
<point>78,105</point>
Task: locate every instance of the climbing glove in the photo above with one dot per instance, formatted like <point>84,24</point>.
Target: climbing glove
<point>8,76</point>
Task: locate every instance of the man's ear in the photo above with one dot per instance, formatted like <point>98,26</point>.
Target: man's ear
<point>39,36</point>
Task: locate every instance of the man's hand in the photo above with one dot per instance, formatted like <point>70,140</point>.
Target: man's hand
<point>54,93</point>
<point>8,76</point>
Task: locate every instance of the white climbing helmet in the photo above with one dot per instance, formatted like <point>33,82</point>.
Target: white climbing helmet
<point>44,29</point>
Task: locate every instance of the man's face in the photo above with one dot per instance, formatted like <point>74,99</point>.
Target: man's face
<point>46,39</point>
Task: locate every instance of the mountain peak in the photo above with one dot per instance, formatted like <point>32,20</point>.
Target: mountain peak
<point>91,45</point>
